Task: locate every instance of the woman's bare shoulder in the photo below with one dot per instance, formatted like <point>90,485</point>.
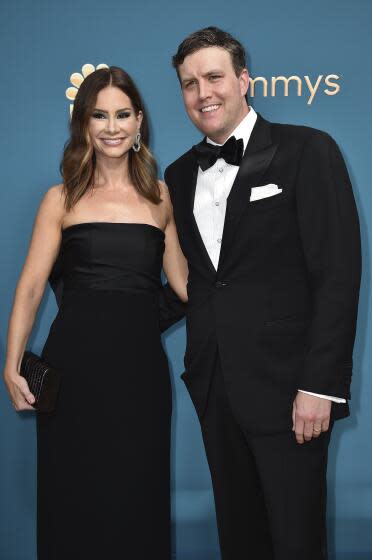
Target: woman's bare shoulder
<point>166,202</point>
<point>55,195</point>
<point>164,192</point>
<point>53,203</point>
<point>165,197</point>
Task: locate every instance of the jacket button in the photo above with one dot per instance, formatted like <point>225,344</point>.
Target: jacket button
<point>220,284</point>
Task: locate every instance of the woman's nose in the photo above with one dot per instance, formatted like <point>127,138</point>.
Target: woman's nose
<point>112,124</point>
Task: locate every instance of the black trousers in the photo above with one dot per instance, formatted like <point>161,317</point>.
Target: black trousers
<point>270,492</point>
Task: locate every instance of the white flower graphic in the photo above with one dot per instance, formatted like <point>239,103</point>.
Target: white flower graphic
<point>77,79</point>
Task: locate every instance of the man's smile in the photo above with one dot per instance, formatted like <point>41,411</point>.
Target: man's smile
<point>210,108</point>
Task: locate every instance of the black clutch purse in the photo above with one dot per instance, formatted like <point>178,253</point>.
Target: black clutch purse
<point>43,381</point>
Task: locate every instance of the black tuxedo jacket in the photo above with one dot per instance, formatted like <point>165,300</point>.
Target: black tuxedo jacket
<point>280,311</point>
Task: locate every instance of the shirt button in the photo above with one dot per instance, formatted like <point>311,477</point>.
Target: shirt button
<point>219,240</point>
<point>220,169</point>
<point>217,203</point>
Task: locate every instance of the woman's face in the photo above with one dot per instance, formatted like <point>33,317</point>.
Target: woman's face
<point>113,124</point>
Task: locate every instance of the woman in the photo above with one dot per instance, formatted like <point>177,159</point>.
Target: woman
<point>103,236</point>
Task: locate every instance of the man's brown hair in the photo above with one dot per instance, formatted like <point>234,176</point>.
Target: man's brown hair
<point>211,37</point>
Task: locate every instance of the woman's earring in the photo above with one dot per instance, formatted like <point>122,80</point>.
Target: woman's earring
<point>137,143</point>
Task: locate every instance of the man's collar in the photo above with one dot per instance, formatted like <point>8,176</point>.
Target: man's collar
<point>243,130</point>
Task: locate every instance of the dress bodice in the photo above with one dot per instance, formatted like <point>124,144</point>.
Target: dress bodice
<point>108,256</point>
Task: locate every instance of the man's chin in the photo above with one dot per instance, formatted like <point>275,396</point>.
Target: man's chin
<point>212,131</point>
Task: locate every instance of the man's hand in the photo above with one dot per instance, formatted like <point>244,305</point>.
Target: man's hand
<point>310,416</point>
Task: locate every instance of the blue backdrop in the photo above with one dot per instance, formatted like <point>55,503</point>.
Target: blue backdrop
<point>42,44</point>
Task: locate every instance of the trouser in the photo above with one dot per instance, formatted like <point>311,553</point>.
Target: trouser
<point>270,491</point>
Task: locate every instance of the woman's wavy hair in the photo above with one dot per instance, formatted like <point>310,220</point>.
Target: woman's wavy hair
<point>79,161</point>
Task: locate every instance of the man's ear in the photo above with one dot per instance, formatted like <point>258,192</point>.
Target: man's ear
<point>244,81</point>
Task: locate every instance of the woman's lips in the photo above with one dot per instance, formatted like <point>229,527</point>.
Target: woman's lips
<point>112,141</point>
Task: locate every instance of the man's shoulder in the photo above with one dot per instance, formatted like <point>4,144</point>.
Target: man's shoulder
<point>300,134</point>
<point>183,162</point>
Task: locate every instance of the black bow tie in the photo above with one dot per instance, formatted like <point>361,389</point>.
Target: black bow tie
<point>207,154</point>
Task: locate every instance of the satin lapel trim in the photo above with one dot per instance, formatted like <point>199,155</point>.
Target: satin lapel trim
<point>257,158</point>
<point>189,193</point>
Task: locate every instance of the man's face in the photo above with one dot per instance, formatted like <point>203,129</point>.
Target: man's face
<point>213,94</point>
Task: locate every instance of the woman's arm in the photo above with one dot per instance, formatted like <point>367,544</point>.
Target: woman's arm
<point>43,251</point>
<point>174,262</point>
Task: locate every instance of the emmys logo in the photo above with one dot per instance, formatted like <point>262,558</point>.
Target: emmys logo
<point>77,79</point>
<point>267,86</point>
<point>312,86</point>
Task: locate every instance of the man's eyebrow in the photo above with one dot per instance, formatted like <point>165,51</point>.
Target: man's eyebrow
<point>209,73</point>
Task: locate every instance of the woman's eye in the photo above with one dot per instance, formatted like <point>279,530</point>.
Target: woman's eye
<point>98,116</point>
<point>124,115</point>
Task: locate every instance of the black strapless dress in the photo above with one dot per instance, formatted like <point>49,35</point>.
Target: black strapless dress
<point>104,452</point>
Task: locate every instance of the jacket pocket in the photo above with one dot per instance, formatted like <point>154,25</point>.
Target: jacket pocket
<point>291,322</point>
<point>269,202</point>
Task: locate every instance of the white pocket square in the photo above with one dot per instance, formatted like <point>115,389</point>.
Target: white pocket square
<point>264,192</point>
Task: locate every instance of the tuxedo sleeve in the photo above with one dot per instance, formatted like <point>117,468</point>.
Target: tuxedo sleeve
<point>329,229</point>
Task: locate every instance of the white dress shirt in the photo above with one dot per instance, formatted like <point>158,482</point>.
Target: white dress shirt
<point>213,187</point>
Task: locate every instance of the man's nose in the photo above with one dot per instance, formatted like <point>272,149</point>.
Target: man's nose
<point>204,89</point>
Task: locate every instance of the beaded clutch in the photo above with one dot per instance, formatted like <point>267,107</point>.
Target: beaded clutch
<point>43,381</point>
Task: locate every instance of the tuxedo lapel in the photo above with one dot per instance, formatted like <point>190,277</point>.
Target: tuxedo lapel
<point>257,158</point>
<point>189,179</point>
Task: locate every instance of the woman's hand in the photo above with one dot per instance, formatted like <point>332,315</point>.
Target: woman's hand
<point>19,391</point>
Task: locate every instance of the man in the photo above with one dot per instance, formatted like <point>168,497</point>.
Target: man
<point>267,220</point>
